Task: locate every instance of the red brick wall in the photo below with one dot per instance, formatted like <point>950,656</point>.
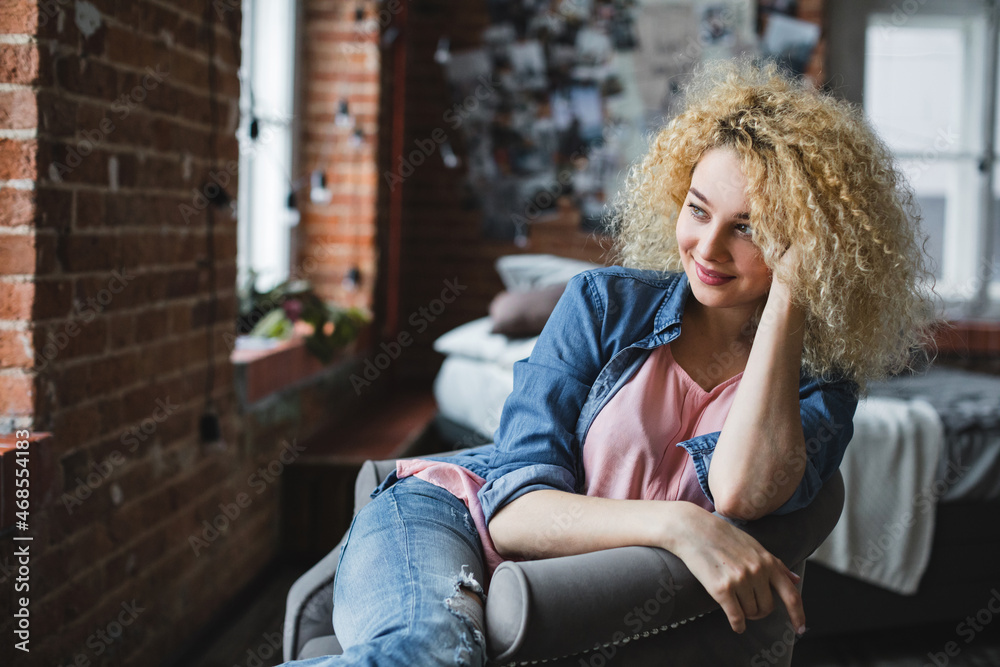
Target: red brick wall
<point>340,61</point>
<point>19,62</point>
<point>109,136</point>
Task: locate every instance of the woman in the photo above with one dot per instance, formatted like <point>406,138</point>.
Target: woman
<point>770,267</point>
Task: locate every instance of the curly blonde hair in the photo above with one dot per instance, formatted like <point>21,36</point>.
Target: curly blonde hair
<point>817,175</point>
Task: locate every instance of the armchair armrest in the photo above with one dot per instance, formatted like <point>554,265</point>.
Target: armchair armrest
<point>617,594</point>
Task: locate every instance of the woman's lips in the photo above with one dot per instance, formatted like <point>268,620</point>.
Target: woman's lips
<point>711,277</point>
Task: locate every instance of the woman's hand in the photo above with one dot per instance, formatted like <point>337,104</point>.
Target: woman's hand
<point>787,267</point>
<point>736,570</point>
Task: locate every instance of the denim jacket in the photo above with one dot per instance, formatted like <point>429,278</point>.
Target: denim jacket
<point>601,331</point>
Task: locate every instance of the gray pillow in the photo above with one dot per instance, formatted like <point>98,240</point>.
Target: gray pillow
<point>523,314</point>
<point>521,273</point>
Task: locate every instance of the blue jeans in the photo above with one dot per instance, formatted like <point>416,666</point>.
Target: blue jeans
<point>408,586</point>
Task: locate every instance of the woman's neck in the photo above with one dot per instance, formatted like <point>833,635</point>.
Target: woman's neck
<point>721,328</point>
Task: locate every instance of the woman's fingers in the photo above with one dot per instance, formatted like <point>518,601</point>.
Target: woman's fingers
<point>763,602</point>
<point>790,595</point>
<point>734,611</point>
<point>751,597</point>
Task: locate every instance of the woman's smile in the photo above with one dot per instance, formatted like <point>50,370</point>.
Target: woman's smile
<point>712,277</point>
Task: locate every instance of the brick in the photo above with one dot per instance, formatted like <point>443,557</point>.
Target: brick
<point>57,115</point>
<point>187,70</point>
<point>16,300</point>
<point>121,330</point>
<point>76,337</point>
<point>53,298</point>
<point>16,349</point>
<point>17,159</point>
<point>17,207</point>
<point>150,324</point>
<point>71,382</point>
<point>78,163</point>
<point>91,210</point>
<point>112,373</point>
<point>80,252</point>
<point>83,422</point>
<point>135,516</point>
<point>45,253</point>
<point>77,598</point>
<point>85,76</point>
<point>18,110</point>
<point>17,394</point>
<point>17,254</point>
<point>18,17</point>
<point>18,63</point>
<point>54,209</point>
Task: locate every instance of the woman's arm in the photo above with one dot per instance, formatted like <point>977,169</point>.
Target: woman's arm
<point>761,449</point>
<point>734,568</point>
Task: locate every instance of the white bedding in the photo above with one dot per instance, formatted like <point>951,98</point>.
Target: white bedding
<point>885,531</point>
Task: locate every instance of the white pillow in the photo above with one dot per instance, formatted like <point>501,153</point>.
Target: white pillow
<point>521,273</point>
<point>473,340</point>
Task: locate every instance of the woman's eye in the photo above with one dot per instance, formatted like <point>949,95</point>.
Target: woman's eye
<point>744,229</point>
<point>697,211</point>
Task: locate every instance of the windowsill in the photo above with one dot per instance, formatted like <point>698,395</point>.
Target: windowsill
<point>263,372</point>
<point>969,337</point>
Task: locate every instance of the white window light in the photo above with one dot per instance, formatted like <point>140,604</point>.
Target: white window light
<point>925,95</point>
<point>267,74</point>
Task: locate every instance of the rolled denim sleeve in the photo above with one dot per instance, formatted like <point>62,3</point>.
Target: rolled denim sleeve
<point>535,443</point>
<point>827,410</point>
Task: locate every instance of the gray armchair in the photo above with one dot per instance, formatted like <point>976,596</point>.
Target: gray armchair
<point>631,606</point>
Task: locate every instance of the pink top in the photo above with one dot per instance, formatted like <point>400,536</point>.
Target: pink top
<point>629,451</point>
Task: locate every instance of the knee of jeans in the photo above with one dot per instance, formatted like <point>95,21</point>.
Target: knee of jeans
<point>468,602</point>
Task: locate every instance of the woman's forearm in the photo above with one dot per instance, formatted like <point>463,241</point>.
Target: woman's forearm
<point>549,523</point>
<point>759,458</point>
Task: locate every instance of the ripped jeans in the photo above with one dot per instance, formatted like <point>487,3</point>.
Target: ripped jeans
<point>408,582</point>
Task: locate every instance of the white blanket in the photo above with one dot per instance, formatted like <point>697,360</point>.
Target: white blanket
<point>889,469</point>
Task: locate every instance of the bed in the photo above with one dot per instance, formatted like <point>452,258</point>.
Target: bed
<point>924,548</point>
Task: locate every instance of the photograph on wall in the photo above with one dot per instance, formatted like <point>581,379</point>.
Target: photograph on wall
<point>577,86</point>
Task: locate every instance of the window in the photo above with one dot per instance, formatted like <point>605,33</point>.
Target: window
<point>266,142</point>
<point>926,86</point>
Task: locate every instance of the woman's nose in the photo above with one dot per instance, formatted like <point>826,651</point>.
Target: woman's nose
<point>712,244</point>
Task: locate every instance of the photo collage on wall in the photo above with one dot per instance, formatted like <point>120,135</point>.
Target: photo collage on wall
<point>561,96</point>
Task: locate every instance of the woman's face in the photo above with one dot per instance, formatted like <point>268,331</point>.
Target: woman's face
<point>724,267</point>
